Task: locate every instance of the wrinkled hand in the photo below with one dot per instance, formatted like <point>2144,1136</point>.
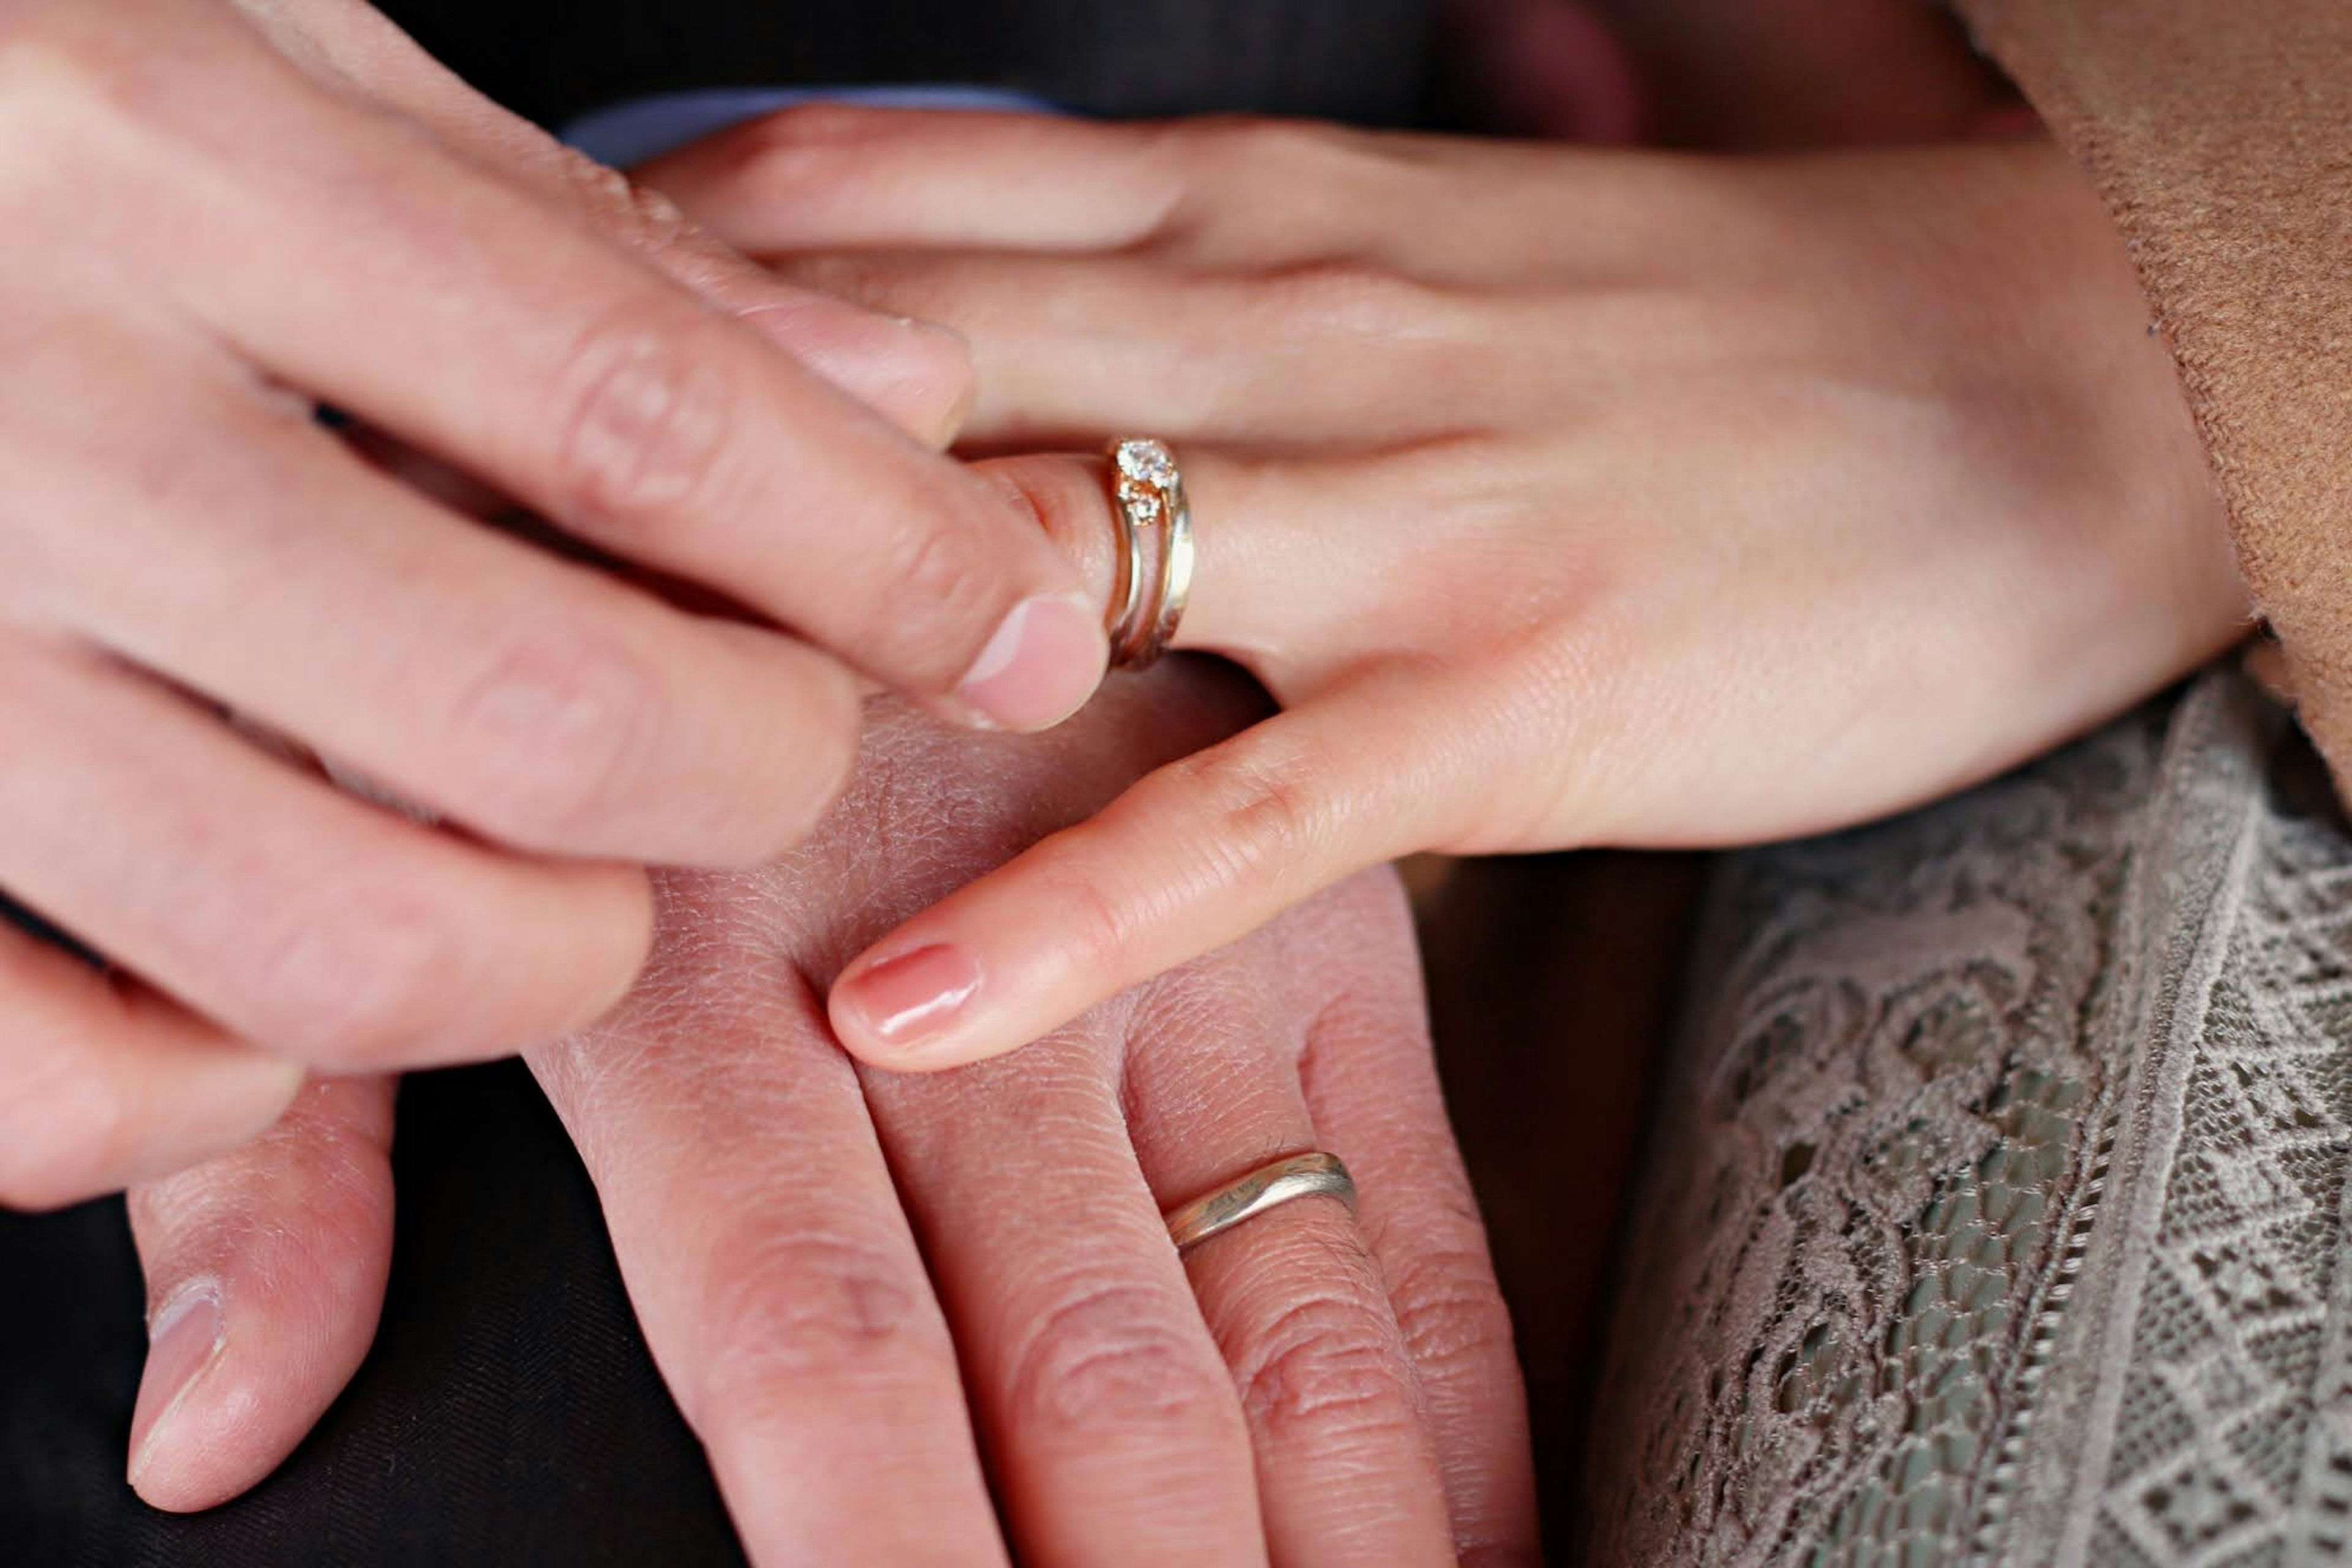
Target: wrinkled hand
<point>224,216</point>
<point>1300,1389</point>
<point>1560,498</point>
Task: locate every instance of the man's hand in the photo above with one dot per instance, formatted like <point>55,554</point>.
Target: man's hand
<point>858,1284</point>
<point>224,217</point>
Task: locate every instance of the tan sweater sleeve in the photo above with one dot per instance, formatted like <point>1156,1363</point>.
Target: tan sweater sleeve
<point>2220,132</point>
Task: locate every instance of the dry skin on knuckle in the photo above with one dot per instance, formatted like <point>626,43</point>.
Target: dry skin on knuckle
<point>1448,1306</point>
<point>782,1307</point>
<point>1103,1360</point>
<point>1321,1357</point>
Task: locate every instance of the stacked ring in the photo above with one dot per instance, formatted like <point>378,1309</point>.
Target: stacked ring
<point>1151,586</point>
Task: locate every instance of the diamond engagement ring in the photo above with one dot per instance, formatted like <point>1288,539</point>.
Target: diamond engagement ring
<point>1153,525</point>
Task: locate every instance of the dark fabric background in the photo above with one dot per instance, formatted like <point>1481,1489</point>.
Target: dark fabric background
<point>508,1414</point>
<point>1361,60</point>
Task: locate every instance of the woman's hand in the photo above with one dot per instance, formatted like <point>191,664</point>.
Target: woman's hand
<point>1560,498</point>
<point>224,216</point>
<point>857,1284</point>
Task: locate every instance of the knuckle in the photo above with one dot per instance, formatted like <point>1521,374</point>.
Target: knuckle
<point>361,985</point>
<point>1349,298</point>
<point>1269,808</point>
<point>651,401</point>
<point>558,725</point>
<point>780,1308</point>
<point>641,218</point>
<point>1105,1358</point>
<point>1449,1308</point>
<point>1093,920</point>
<point>1321,1359</point>
<point>935,572</point>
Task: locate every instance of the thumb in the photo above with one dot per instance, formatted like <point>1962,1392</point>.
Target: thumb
<point>266,1272</point>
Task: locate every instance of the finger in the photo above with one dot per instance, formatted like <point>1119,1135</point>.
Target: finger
<point>916,376</point>
<point>1222,194</point>
<point>1369,1078</point>
<point>1193,856</point>
<point>104,1083</point>
<point>1269,588</point>
<point>844,177</point>
<point>540,703</point>
<point>266,1271</point>
<point>296,916</point>
<point>1109,1419</point>
<point>1347,1472</point>
<point>1069,351</point>
<point>605,398</point>
<point>768,1257</point>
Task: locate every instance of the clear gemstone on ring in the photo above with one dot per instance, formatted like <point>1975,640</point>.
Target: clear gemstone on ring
<point>1147,462</point>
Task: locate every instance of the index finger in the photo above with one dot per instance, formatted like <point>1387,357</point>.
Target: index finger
<point>459,312</point>
<point>1197,854</point>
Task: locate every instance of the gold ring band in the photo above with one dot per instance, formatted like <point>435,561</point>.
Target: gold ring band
<point>1269,1187</point>
<point>1147,595</point>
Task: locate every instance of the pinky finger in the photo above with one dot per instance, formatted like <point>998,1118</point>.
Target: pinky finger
<point>266,1271</point>
<point>104,1082</point>
<point>1193,856</point>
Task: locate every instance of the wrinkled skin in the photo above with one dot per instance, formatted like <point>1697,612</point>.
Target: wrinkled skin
<point>1303,1389</point>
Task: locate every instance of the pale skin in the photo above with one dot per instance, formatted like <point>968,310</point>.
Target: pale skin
<point>1558,498</point>
<point>1305,1389</point>
<point>230,216</point>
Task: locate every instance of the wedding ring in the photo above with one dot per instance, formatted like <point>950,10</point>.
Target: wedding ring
<point>1151,586</point>
<point>1268,1186</point>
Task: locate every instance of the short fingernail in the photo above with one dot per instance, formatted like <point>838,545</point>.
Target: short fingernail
<point>1044,662</point>
<point>905,998</point>
<point>183,1341</point>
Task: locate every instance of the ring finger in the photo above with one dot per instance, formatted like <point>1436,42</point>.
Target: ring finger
<point>1346,1470</point>
<point>1267,583</point>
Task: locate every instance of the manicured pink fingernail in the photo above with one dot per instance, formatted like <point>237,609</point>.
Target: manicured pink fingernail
<point>904,998</point>
<point>183,1341</point>
<point>1044,662</point>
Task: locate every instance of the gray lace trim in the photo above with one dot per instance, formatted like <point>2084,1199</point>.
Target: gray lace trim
<point>1998,1208</point>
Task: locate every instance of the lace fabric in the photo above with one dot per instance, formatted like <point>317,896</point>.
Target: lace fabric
<point>1998,1206</point>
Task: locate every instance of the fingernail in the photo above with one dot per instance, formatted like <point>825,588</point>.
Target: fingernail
<point>1044,661</point>
<point>906,998</point>
<point>183,1341</point>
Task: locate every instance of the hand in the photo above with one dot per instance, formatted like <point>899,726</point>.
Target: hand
<point>226,215</point>
<point>1302,1389</point>
<point>1561,498</point>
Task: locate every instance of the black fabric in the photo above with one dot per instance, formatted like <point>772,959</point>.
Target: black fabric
<point>1360,60</point>
<point>508,1414</point>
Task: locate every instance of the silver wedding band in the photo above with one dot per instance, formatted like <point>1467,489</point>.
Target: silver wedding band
<point>1152,523</point>
<point>1269,1187</point>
